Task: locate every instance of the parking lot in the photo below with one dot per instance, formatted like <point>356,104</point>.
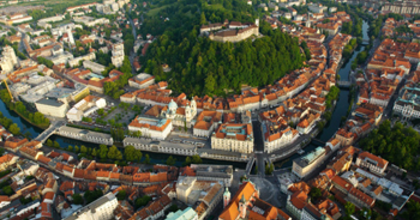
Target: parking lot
<point>114,115</point>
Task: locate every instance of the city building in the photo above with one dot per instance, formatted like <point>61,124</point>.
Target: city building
<point>88,57</point>
<point>155,128</point>
<point>306,164</point>
<point>90,21</point>
<point>180,116</point>
<point>234,138</point>
<point>163,147</point>
<point>7,161</point>
<point>186,214</point>
<point>316,7</point>
<point>275,130</point>
<point>208,172</point>
<point>207,193</point>
<point>8,60</point>
<point>372,162</point>
<point>95,67</point>
<point>206,122</point>
<point>142,80</point>
<point>85,107</point>
<point>117,54</point>
<point>154,210</point>
<point>99,209</point>
<point>234,135</point>
<point>408,103</point>
<point>246,204</point>
<point>52,107</point>
<point>85,135</point>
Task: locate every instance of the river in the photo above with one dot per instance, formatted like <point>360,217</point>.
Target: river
<point>340,109</point>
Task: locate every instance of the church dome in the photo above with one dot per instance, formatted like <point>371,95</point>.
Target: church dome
<point>172,105</point>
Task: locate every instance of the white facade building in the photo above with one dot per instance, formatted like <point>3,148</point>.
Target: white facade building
<point>8,60</point>
<point>155,128</point>
<point>117,54</point>
<point>76,61</point>
<point>99,209</point>
<point>85,107</point>
<point>51,107</point>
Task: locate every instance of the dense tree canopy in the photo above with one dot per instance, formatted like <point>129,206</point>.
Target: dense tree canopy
<point>201,66</point>
<point>398,144</point>
<point>209,67</point>
<point>91,196</point>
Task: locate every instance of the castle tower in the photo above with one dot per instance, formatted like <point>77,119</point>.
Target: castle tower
<point>226,198</point>
<point>257,22</point>
<point>242,207</point>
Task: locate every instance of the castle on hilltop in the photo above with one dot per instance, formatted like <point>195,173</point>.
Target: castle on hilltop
<point>230,32</point>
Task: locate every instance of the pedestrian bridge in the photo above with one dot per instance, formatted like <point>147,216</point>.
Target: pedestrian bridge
<point>318,142</point>
<point>343,84</point>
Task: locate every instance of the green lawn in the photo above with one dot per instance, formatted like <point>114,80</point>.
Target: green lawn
<point>64,21</point>
<point>155,11</point>
<point>216,7</point>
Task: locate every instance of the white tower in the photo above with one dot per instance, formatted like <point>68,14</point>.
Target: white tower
<point>257,22</point>
<point>9,53</point>
<point>226,198</point>
<point>188,112</point>
<point>71,38</point>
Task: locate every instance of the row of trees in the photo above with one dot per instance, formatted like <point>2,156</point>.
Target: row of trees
<point>397,144</point>
<point>269,168</point>
<point>376,25</point>
<point>88,196</point>
<point>45,61</point>
<point>114,89</point>
<point>332,95</point>
<point>348,49</point>
<point>360,59</point>
<point>54,144</point>
<point>9,125</point>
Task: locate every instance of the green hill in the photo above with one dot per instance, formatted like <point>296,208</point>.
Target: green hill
<point>201,66</point>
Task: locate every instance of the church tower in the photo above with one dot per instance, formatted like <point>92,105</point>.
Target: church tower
<point>193,107</point>
<point>188,112</point>
<point>226,198</point>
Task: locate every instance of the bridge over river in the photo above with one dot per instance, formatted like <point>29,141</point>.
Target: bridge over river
<point>52,129</point>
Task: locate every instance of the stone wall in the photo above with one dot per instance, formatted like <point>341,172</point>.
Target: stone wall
<point>236,38</point>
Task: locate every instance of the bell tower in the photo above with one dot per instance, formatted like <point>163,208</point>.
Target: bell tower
<point>226,198</point>
<point>242,207</point>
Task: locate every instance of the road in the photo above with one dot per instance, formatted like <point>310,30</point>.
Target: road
<point>132,53</point>
<point>21,47</point>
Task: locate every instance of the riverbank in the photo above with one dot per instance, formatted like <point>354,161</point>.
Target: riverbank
<point>43,127</point>
<point>3,96</point>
